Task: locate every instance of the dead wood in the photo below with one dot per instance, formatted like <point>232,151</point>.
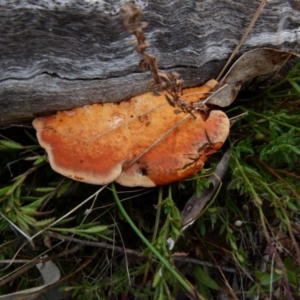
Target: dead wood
<point>59,55</point>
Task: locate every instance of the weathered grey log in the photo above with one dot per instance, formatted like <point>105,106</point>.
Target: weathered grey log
<point>57,55</point>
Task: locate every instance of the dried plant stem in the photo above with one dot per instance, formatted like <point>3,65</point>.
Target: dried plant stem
<point>133,24</point>
<point>238,46</point>
<point>172,83</point>
<point>70,212</point>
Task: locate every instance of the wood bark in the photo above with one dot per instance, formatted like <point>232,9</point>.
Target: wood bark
<point>57,55</point>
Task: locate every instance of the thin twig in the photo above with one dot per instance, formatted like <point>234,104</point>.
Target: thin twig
<point>35,262</point>
<point>203,263</point>
<point>93,244</point>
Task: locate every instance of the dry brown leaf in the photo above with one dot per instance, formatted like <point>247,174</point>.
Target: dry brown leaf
<point>196,203</point>
<point>251,64</point>
<point>143,141</point>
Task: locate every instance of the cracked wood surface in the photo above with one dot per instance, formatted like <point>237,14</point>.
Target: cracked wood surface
<point>57,55</point>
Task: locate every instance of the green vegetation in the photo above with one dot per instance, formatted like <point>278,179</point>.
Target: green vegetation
<point>244,244</point>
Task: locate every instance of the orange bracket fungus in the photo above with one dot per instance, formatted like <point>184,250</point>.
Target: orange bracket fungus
<point>146,141</point>
<point>143,141</point>
<point>150,139</point>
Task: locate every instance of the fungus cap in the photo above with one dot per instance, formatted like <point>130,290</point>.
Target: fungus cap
<point>143,141</point>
